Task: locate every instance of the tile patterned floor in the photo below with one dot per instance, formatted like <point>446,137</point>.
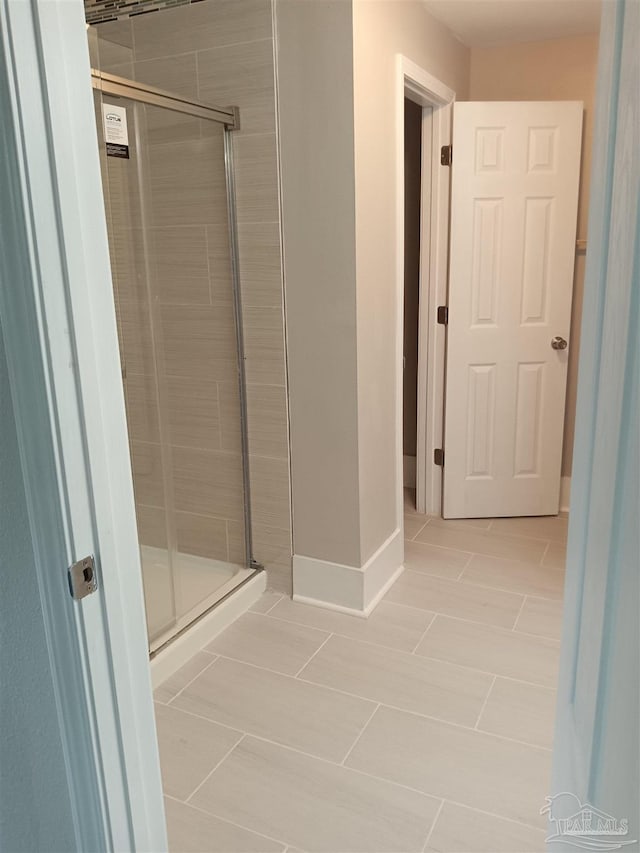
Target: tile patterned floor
<point>425,728</point>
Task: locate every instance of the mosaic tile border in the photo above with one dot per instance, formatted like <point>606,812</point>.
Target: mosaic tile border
<point>101,11</point>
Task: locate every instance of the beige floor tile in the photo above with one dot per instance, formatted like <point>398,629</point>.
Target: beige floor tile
<point>507,653</point>
<point>541,616</point>
<point>189,749</point>
<point>512,575</point>
<point>389,625</point>
<point>465,601</point>
<point>556,555</point>
<point>256,639</point>
<point>400,679</point>
<point>520,711</point>
<point>462,830</point>
<point>548,527</point>
<point>482,542</point>
<point>444,562</point>
<point>277,707</point>
<point>464,523</point>
<point>413,524</point>
<point>266,602</point>
<point>456,763</point>
<point>190,830</point>
<point>315,805</point>
<point>174,684</point>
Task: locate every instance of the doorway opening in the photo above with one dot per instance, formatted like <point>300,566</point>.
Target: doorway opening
<point>413,142</point>
<point>506,272</point>
<point>426,106</point>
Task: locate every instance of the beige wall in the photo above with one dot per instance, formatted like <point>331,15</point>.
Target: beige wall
<point>315,84</point>
<point>219,53</point>
<point>562,69</point>
<point>336,72</point>
<point>381,30</point>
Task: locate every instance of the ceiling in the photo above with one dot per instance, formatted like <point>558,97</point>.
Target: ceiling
<point>486,23</point>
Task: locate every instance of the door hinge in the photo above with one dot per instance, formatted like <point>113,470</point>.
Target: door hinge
<point>446,155</point>
<point>82,578</point>
<point>443,315</point>
<point>438,456</point>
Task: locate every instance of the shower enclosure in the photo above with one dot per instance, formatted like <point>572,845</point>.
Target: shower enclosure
<point>167,171</point>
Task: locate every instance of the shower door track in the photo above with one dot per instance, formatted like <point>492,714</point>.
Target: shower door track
<point>111,84</point>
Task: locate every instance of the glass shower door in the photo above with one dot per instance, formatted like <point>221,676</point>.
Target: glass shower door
<point>167,215</point>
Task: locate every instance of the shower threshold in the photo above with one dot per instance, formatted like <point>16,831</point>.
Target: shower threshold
<point>198,584</point>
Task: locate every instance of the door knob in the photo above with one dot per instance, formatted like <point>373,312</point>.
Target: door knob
<point>559,343</point>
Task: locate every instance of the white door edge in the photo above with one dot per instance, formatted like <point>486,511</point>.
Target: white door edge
<point>61,329</point>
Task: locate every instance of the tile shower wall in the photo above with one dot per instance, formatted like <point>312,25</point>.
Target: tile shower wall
<point>221,52</point>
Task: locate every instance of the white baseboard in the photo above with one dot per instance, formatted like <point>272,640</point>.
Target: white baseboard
<point>349,589</point>
<point>409,472</point>
<point>565,493</point>
<point>184,647</point>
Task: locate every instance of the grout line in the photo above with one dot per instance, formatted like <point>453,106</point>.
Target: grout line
<point>253,222</point>
<point>259,666</point>
<point>486,699</point>
<point>322,644</point>
<point>494,815</point>
<point>512,591</point>
<point>460,666</point>
<point>320,686</point>
<point>433,614</point>
<point>215,767</point>
<point>233,44</point>
<point>226,820</point>
<point>431,717</point>
<point>214,722</point>
<point>466,566</point>
<point>484,586</point>
<point>357,639</point>
<point>189,683</point>
<point>413,538</point>
<point>209,288</point>
<point>545,552</point>
<point>433,826</point>
<point>495,535</point>
<point>423,635</point>
<point>360,772</point>
<point>362,731</point>
<point>554,640</point>
<point>354,769</point>
<point>519,614</point>
<point>268,612</point>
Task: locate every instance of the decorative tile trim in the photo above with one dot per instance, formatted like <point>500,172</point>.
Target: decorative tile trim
<point>101,11</point>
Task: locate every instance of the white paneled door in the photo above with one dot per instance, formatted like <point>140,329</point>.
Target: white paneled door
<point>514,201</point>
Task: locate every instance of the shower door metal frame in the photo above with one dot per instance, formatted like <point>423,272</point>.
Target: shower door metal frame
<point>111,84</point>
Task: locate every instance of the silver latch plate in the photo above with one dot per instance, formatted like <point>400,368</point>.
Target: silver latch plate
<point>82,578</point>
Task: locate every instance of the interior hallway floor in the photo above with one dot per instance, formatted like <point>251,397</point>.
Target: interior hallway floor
<point>427,727</point>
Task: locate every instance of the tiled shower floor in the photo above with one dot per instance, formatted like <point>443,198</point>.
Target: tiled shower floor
<point>427,727</point>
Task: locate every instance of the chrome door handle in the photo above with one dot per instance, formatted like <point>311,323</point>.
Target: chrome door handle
<point>559,343</point>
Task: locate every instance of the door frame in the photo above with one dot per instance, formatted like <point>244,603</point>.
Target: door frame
<point>423,88</point>
<point>61,343</point>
